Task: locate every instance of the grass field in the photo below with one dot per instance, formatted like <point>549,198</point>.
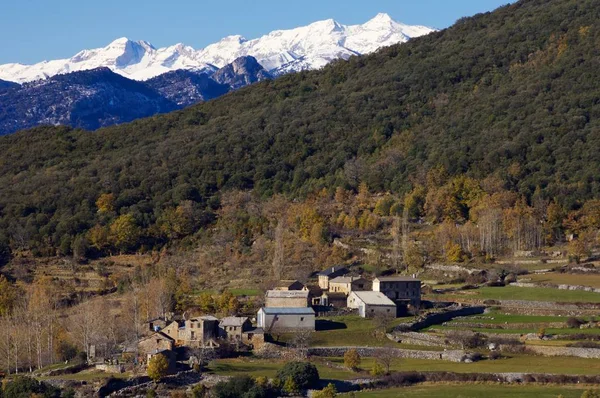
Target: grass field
<point>499,318</point>
<point>516,363</point>
<point>349,331</point>
<point>521,293</point>
<point>549,331</point>
<point>592,280</point>
<point>269,368</point>
<point>475,391</point>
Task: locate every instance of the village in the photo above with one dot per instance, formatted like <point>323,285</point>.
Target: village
<point>291,307</point>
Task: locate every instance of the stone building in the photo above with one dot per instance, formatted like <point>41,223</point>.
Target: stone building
<point>347,284</point>
<point>400,289</point>
<point>370,304</point>
<point>327,274</point>
<point>233,327</point>
<point>287,298</point>
<point>155,343</point>
<point>196,332</point>
<point>286,319</point>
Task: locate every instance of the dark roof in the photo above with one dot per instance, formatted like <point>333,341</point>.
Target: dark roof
<point>288,311</point>
<point>158,334</point>
<point>334,271</point>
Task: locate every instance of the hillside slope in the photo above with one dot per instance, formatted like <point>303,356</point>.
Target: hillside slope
<point>514,94</point>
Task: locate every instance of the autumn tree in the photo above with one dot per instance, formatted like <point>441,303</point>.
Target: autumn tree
<point>106,203</point>
<point>124,232</point>
<point>158,367</point>
<point>352,359</point>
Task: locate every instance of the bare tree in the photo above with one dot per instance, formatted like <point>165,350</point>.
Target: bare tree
<point>396,244</point>
<point>385,357</point>
<point>405,233</point>
<point>301,341</point>
<point>278,254</point>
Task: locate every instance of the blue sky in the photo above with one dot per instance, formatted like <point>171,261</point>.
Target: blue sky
<point>37,30</point>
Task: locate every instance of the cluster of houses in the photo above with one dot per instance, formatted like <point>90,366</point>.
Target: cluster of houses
<point>292,307</point>
<point>288,307</point>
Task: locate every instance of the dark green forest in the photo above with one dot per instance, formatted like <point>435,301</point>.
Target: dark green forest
<point>513,94</point>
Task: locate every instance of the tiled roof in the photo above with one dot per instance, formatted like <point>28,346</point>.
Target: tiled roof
<point>233,321</point>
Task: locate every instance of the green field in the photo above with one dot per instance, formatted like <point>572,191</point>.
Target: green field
<point>549,331</point>
<point>515,363</point>
<point>499,318</point>
<point>349,331</point>
<point>269,368</point>
<point>474,391</point>
<point>521,293</point>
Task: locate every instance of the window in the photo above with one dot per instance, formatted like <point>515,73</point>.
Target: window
<point>388,310</point>
<point>301,319</point>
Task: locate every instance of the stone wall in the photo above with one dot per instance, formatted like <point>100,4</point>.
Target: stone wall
<point>438,318</point>
<point>447,355</point>
<point>559,287</point>
<point>565,351</point>
<point>415,338</point>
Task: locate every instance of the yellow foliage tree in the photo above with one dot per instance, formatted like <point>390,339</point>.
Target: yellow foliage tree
<point>158,367</point>
<point>124,233</point>
<point>105,203</point>
<point>352,359</point>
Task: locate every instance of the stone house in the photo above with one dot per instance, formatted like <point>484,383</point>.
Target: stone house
<point>233,327</point>
<point>400,289</point>
<point>196,332</point>
<point>156,342</point>
<point>370,304</point>
<point>286,319</point>
<point>327,274</point>
<point>287,298</point>
<point>347,284</point>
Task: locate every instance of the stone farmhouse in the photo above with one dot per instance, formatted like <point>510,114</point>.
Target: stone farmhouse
<point>400,289</point>
<point>287,298</point>
<point>371,304</point>
<point>326,275</point>
<point>348,284</point>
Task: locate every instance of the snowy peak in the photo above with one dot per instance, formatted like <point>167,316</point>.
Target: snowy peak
<point>281,51</point>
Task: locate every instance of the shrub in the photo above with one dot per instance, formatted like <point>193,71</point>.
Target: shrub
<point>305,375</point>
<point>66,351</point>
<point>377,370</point>
<point>26,387</point>
<point>327,392</point>
<point>236,387</point>
<point>199,391</point>
<point>352,359</point>
<point>574,323</point>
<point>290,386</point>
<point>158,367</point>
<point>495,355</point>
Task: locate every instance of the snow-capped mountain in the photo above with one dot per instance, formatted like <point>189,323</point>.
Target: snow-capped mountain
<point>281,51</point>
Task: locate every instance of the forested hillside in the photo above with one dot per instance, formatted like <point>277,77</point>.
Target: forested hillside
<point>511,95</point>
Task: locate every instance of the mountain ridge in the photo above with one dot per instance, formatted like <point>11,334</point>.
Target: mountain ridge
<point>306,47</point>
<point>75,98</point>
